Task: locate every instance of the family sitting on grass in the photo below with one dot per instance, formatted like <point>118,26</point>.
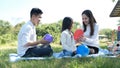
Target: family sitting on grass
<point>27,43</point>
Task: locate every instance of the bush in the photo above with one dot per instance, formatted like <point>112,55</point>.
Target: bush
<point>7,38</point>
<point>53,29</point>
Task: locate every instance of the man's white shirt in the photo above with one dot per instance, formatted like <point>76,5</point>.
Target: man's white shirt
<point>26,34</point>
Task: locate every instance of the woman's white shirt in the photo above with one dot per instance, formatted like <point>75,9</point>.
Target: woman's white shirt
<point>94,39</point>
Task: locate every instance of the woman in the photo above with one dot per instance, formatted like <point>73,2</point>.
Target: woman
<point>90,29</point>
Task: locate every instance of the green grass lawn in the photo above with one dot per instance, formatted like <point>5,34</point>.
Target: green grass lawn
<point>98,62</point>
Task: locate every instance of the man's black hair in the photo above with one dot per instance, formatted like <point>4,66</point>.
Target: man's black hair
<point>35,11</point>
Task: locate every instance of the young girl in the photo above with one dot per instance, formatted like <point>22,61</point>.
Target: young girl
<point>90,28</point>
<point>67,40</point>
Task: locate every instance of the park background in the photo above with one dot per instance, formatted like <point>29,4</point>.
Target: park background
<point>13,16</point>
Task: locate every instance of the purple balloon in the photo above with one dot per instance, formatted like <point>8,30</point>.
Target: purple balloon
<point>48,37</point>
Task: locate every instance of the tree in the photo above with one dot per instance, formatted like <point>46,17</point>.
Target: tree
<point>54,29</point>
<point>109,33</point>
<point>6,33</point>
<point>5,27</point>
<point>17,28</point>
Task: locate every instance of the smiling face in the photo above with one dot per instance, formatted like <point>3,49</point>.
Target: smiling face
<point>36,19</point>
<point>85,19</point>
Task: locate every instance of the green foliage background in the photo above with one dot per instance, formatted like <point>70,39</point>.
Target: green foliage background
<point>8,33</point>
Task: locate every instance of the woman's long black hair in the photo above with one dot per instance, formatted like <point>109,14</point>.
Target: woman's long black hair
<point>92,20</point>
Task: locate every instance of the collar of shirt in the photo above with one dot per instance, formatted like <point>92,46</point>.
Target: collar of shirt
<point>33,26</point>
<point>68,31</point>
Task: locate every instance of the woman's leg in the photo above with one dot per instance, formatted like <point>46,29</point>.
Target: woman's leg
<point>93,50</point>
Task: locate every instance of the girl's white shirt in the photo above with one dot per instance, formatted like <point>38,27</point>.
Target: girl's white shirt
<point>67,41</point>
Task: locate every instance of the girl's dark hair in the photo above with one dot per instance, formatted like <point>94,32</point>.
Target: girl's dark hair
<point>92,20</point>
<point>67,23</point>
<point>35,11</point>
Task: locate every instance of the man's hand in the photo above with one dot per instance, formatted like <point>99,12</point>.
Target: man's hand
<point>42,41</point>
<point>36,43</point>
<point>82,38</point>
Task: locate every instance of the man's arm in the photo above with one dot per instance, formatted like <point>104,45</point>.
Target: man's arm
<point>26,35</point>
<point>36,42</point>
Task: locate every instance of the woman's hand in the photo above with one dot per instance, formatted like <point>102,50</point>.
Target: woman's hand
<point>82,38</point>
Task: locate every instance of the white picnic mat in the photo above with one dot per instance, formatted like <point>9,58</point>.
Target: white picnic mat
<point>13,57</point>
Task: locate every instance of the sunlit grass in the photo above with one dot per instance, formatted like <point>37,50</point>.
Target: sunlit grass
<point>12,45</point>
<point>98,62</point>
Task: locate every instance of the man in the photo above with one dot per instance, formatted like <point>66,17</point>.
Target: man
<point>27,43</point>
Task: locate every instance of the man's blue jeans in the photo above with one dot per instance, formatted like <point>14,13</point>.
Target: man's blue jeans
<point>39,51</point>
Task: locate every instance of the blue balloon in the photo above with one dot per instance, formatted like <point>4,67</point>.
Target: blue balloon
<point>83,50</point>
